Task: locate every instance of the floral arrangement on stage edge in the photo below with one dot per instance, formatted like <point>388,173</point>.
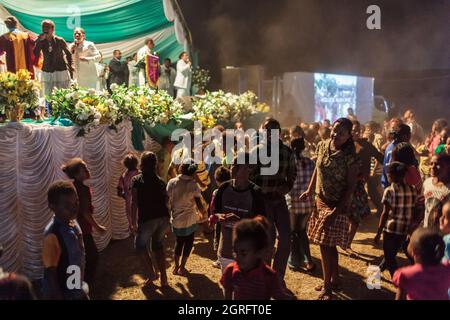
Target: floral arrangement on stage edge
<point>201,78</point>
<point>18,92</point>
<point>87,108</point>
<point>218,106</point>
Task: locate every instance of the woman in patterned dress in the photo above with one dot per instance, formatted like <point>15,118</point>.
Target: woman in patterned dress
<point>334,181</point>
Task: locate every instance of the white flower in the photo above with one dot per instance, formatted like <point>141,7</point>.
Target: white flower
<point>80,105</point>
<point>96,122</point>
<point>75,95</point>
<point>92,91</point>
<point>109,102</point>
<point>97,115</point>
<point>114,86</point>
<point>127,99</point>
<point>82,116</point>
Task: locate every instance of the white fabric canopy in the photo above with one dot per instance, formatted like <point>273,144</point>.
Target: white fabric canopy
<point>30,160</point>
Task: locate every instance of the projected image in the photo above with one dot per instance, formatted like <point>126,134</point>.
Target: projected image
<point>333,95</point>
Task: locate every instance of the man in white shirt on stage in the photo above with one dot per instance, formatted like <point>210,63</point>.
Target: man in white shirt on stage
<point>167,77</point>
<point>141,54</point>
<point>183,79</point>
<point>85,56</point>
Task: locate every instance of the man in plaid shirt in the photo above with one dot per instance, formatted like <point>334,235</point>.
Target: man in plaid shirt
<point>274,188</point>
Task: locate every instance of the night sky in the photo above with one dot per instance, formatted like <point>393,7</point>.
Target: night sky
<point>409,56</point>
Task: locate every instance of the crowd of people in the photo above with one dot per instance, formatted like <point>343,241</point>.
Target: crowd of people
<point>56,63</point>
<point>264,224</point>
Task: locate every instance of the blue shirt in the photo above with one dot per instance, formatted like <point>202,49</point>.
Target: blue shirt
<point>387,159</point>
<point>447,248</point>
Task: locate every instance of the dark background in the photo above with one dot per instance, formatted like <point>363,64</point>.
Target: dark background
<point>409,57</point>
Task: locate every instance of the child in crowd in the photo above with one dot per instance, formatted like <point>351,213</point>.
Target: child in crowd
<point>428,278</point>
<point>404,153</point>
<point>399,200</point>
<point>15,287</point>
<point>236,199</point>
<point>77,170</point>
<point>444,225</point>
<point>150,219</point>
<point>184,199</point>
<point>249,277</point>
<point>221,175</point>
<point>300,211</point>
<point>124,186</point>
<point>63,245</point>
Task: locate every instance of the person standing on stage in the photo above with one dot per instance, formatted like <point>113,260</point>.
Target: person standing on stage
<point>57,70</point>
<point>134,72</point>
<point>118,70</point>
<point>184,76</point>
<point>18,46</point>
<point>167,77</point>
<point>85,55</point>
<point>146,50</point>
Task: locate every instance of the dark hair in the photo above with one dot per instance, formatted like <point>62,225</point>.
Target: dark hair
<point>429,245</point>
<point>48,23</point>
<point>181,54</point>
<point>167,59</point>
<point>404,153</point>
<point>397,170</point>
<point>325,131</point>
<point>271,124</point>
<point>72,167</point>
<point>348,125</point>
<point>440,124</point>
<point>117,50</point>
<point>373,125</point>
<point>130,161</point>
<point>401,131</point>
<point>298,145</point>
<point>59,188</point>
<point>188,167</point>
<point>16,287</point>
<point>443,157</point>
<point>222,174</point>
<point>148,162</point>
<point>252,230</point>
<point>298,130</point>
<point>148,40</point>
<point>166,141</point>
<point>11,22</point>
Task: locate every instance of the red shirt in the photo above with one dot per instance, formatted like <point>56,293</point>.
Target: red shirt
<point>85,206</point>
<point>424,282</point>
<point>261,283</point>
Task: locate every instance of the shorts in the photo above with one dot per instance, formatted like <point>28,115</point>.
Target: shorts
<point>151,233</point>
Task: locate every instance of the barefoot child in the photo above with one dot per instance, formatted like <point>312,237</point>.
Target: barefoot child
<point>184,199</point>
<point>124,186</point>
<point>77,170</point>
<point>428,278</point>
<point>396,219</point>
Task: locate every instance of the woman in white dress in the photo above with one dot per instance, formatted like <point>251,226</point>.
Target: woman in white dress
<point>184,76</point>
<point>85,55</point>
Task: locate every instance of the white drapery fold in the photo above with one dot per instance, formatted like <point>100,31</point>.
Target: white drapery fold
<point>30,161</point>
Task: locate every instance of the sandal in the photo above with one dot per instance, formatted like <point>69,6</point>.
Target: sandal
<point>334,287</point>
<point>325,295</point>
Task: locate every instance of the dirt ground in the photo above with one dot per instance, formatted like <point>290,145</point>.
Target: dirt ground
<point>120,276</point>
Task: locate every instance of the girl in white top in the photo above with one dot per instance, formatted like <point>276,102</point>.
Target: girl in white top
<point>184,200</point>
